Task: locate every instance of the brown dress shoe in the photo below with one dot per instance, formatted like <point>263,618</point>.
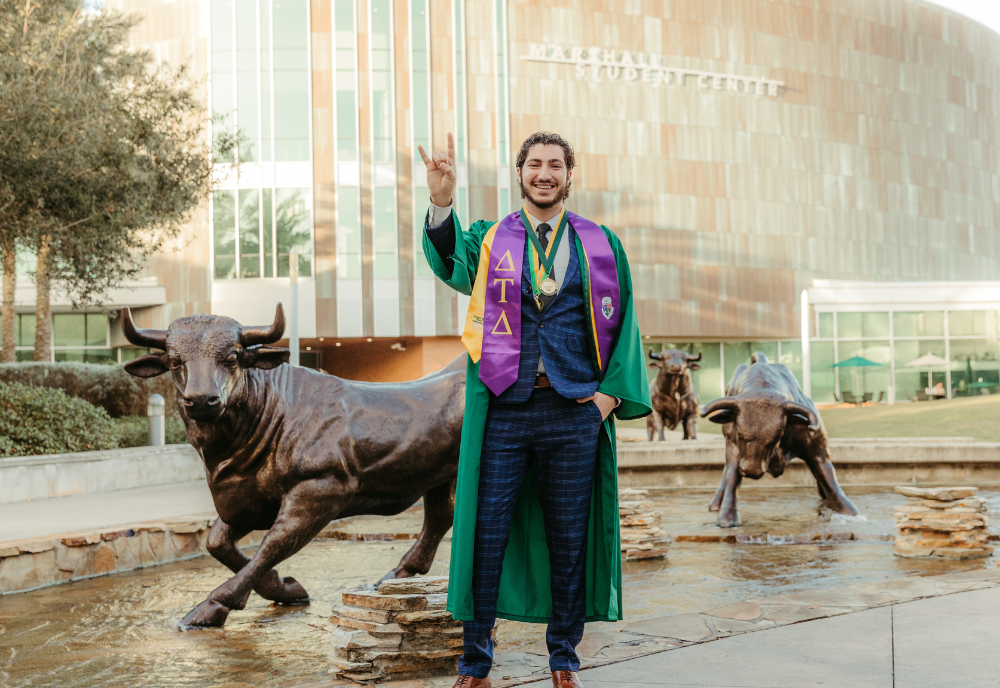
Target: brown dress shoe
<point>566,679</point>
<point>470,682</point>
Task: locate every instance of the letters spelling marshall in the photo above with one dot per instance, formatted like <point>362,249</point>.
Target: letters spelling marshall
<point>648,68</point>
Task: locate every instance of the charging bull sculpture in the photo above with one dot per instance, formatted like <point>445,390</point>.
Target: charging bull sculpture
<point>675,400</point>
<point>289,449</point>
<point>768,421</point>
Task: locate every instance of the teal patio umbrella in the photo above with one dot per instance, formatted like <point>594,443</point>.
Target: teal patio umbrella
<point>858,362</point>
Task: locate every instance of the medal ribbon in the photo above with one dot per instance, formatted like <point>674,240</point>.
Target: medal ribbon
<point>542,259</point>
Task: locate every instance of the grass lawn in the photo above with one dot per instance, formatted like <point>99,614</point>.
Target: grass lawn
<point>977,417</point>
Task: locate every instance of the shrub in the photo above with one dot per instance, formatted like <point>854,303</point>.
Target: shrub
<point>133,431</point>
<point>107,386</point>
<point>39,420</point>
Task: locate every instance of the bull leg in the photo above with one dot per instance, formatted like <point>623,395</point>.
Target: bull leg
<point>691,428</point>
<point>439,512</point>
<point>829,489</point>
<point>222,539</point>
<point>649,427</point>
<point>729,516</point>
<point>298,522</point>
<point>657,429</point>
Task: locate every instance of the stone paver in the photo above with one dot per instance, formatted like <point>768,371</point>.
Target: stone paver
<point>40,517</point>
<point>940,642</point>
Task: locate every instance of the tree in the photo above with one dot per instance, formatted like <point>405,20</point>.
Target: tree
<point>105,154</point>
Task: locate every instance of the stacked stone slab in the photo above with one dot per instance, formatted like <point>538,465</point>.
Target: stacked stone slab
<point>642,536</point>
<point>401,631</point>
<point>946,522</point>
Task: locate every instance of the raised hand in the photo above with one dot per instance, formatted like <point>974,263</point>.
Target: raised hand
<point>441,176</point>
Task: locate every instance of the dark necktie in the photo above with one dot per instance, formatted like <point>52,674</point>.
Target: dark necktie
<point>543,237</point>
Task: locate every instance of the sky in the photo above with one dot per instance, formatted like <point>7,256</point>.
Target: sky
<point>985,12</point>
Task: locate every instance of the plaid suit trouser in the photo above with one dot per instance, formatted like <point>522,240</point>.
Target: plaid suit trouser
<point>560,436</point>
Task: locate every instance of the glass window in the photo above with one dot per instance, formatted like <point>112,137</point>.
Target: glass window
<point>384,211</point>
<point>972,323</point>
<point>249,233</point>
<point>224,233</point>
<point>97,329</point>
<point>348,234</point>
<point>421,92</point>
<point>974,365</point>
<point>246,78</point>
<point>130,353</point>
<point>104,356</point>
<point>381,74</point>
<point>791,356</point>
<point>69,329</point>
<point>864,379</point>
<point>910,379</point>
<point>740,352</point>
<point>291,81</point>
<point>857,325</point>
<point>310,359</point>
<point>918,324</point>
<point>825,325</point>
<point>268,195</point>
<point>346,80</point>
<point>822,378</point>
<point>294,223</point>
<point>421,201</point>
<point>24,332</point>
<point>708,380</point>
<point>265,82</point>
<point>223,101</point>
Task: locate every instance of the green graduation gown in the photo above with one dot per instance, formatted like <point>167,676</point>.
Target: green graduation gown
<point>525,593</point>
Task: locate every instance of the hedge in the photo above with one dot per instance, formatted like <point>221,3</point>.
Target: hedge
<point>133,431</point>
<point>107,386</point>
<point>40,420</point>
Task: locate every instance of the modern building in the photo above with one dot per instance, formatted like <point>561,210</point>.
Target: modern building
<point>744,151</point>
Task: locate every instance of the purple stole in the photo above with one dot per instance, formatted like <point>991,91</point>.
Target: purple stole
<point>501,352</point>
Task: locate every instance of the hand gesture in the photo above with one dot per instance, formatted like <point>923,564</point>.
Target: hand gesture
<point>440,174</point>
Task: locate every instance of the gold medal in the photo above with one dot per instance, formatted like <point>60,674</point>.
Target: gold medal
<point>548,287</point>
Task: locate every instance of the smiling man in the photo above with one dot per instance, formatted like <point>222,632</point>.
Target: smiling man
<point>555,353</point>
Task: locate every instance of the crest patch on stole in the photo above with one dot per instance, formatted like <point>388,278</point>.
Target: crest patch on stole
<point>606,308</point>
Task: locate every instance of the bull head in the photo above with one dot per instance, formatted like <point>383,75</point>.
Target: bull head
<point>758,423</point>
<point>674,361</point>
<point>208,356</point>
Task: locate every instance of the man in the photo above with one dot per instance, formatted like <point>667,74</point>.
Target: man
<point>554,348</point>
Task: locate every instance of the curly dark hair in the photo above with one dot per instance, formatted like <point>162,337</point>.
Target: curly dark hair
<point>546,138</point>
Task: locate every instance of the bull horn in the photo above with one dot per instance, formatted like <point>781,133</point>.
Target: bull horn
<point>694,358</point>
<point>792,407</point>
<point>655,357</point>
<point>251,336</point>
<point>151,339</point>
<point>721,404</point>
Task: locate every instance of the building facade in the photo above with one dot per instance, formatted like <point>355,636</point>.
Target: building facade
<point>741,149</point>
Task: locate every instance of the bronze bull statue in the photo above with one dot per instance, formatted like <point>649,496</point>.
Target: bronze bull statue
<point>287,449</point>
<point>768,421</point>
<point>675,400</point>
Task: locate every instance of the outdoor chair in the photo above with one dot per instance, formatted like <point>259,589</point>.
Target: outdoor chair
<point>921,395</point>
<point>867,397</point>
<point>881,397</point>
<point>849,397</point>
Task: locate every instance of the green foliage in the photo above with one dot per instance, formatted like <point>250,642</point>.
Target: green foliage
<point>38,420</point>
<point>103,152</point>
<point>133,431</point>
<point>107,386</point>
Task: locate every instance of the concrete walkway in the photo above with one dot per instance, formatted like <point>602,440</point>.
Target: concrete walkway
<point>42,517</point>
<point>939,642</point>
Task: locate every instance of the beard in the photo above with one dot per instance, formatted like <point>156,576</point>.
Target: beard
<point>562,193</point>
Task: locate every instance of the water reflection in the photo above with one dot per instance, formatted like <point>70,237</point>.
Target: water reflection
<point>121,630</point>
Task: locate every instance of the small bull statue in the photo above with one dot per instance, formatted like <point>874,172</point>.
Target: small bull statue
<point>768,421</point>
<point>675,400</point>
<point>287,449</point>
